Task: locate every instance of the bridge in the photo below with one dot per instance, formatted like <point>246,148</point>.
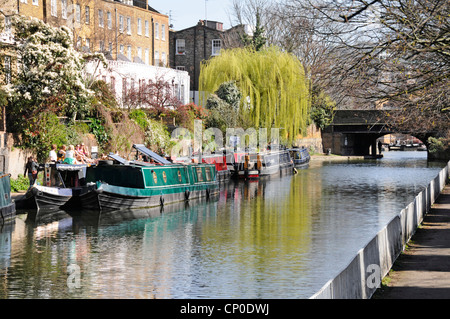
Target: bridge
<point>354,132</point>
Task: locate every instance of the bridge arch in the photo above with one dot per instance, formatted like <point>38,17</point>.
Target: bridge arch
<point>355,133</point>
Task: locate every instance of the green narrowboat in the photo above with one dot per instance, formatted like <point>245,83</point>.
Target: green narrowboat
<point>116,187</point>
<point>7,206</point>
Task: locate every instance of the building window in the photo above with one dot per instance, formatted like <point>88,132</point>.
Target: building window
<point>7,68</point>
<point>120,23</point>
<point>64,9</point>
<point>100,18</point>
<point>113,84</point>
<point>180,45</point>
<point>163,32</point>
<point>86,14</point>
<point>109,18</point>
<point>139,53</point>
<point>163,59</point>
<point>102,46</point>
<point>88,44</point>
<point>156,58</point>
<point>139,26</point>
<point>7,24</point>
<point>181,68</point>
<point>24,1</point>
<point>216,45</point>
<point>110,47</point>
<point>147,57</point>
<point>147,33</point>
<point>79,42</point>
<point>156,30</point>
<point>128,25</point>
<point>121,48</point>
<point>54,8</point>
<point>129,52</point>
<point>78,13</point>
<point>124,87</point>
<point>181,92</point>
<point>35,2</point>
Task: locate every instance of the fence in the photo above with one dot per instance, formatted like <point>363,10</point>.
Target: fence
<point>361,278</point>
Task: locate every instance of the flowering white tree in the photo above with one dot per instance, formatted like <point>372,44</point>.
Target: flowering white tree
<point>49,78</point>
<point>49,69</point>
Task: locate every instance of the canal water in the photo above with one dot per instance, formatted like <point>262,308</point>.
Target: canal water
<point>282,237</point>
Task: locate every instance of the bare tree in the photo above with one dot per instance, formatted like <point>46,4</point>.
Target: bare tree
<point>388,52</point>
<point>157,96</point>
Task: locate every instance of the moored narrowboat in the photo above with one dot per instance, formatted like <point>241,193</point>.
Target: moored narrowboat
<point>117,187</point>
<point>219,160</point>
<point>300,156</point>
<point>60,185</point>
<point>7,206</point>
<point>275,162</point>
<point>246,165</point>
<point>255,165</point>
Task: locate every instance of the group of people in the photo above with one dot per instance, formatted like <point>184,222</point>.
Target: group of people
<point>70,155</point>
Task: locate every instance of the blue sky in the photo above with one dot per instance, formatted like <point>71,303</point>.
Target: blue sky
<point>186,13</point>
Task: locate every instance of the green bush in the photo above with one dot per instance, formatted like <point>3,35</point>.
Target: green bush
<point>98,129</point>
<point>140,117</point>
<point>21,183</point>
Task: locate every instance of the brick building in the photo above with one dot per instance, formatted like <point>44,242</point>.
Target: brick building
<point>126,31</point>
<point>189,47</point>
<point>130,30</point>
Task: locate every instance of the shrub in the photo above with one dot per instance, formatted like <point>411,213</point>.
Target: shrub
<point>19,184</point>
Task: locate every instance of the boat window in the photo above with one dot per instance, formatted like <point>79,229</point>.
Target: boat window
<point>155,178</point>
<point>208,173</point>
<point>199,174</point>
<point>164,177</point>
<point>179,175</point>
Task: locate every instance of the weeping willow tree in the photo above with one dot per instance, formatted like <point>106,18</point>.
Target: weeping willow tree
<point>273,86</point>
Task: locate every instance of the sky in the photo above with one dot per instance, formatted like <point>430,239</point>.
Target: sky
<point>186,13</point>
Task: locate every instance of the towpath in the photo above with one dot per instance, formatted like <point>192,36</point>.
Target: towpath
<point>423,270</point>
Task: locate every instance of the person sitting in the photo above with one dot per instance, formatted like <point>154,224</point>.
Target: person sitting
<point>79,159</point>
<point>80,155</point>
<point>70,155</point>
<point>84,150</point>
<point>61,153</point>
<point>78,149</point>
<point>52,155</point>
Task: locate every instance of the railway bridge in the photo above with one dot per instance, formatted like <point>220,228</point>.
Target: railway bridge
<point>354,133</point>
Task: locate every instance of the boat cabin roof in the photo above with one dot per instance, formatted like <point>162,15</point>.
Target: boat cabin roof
<point>69,167</point>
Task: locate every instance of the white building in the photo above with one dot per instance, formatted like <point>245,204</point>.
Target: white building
<point>123,75</point>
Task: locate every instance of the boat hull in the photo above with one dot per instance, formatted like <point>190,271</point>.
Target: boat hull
<point>7,213</point>
<point>223,176</point>
<point>48,198</point>
<point>108,197</point>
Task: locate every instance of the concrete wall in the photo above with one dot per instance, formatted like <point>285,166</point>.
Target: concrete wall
<point>363,275</point>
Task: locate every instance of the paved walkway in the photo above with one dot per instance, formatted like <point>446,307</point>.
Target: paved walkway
<point>423,270</point>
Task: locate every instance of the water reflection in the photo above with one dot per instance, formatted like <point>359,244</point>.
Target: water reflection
<point>282,237</point>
